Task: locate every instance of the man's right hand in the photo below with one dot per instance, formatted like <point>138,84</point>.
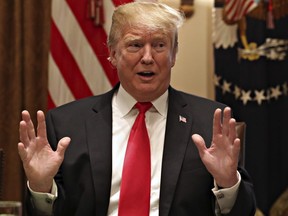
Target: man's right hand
<point>39,160</point>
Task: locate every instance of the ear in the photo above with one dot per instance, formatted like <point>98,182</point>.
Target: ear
<point>173,56</point>
<point>112,56</point>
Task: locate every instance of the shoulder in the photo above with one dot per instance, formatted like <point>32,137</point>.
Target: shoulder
<point>194,101</point>
<point>83,106</point>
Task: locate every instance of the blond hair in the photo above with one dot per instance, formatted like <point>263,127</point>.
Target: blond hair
<point>152,16</point>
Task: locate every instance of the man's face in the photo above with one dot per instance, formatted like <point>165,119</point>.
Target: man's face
<point>144,60</point>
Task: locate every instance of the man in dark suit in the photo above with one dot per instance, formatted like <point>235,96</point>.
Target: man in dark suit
<point>194,150</point>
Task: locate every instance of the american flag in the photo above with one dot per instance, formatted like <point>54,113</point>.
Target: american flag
<point>78,65</point>
<point>234,10</point>
<point>182,119</point>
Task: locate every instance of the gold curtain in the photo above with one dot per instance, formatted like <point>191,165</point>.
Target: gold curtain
<point>24,46</point>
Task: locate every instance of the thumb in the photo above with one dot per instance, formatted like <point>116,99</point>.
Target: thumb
<point>200,143</point>
<point>62,145</point>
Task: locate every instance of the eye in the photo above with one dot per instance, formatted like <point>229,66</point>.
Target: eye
<point>159,46</point>
<point>134,46</point>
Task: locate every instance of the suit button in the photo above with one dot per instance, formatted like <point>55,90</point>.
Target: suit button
<point>220,195</point>
<point>48,200</point>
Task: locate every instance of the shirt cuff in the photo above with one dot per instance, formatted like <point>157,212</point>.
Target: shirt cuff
<point>43,202</point>
<point>226,197</point>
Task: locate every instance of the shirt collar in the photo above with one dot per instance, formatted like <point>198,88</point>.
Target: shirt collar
<point>125,102</point>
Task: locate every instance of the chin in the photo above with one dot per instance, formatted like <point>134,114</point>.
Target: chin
<point>148,94</point>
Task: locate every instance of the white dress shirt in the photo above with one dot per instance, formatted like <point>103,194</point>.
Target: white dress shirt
<point>124,116</point>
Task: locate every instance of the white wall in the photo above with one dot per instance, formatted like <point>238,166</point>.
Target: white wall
<point>193,71</point>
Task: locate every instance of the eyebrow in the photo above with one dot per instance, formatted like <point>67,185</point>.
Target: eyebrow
<point>132,38</point>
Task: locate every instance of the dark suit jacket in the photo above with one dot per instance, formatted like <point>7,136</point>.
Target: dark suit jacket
<point>84,179</point>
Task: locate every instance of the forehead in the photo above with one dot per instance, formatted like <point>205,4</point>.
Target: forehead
<point>145,34</point>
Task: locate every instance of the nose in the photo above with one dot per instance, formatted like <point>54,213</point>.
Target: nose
<point>147,57</point>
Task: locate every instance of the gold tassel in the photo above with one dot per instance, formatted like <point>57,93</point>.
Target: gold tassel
<point>96,12</point>
<point>91,9</point>
<point>187,6</point>
<point>99,19</point>
<point>280,206</point>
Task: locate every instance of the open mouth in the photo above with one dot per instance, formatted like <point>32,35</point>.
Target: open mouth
<point>146,74</point>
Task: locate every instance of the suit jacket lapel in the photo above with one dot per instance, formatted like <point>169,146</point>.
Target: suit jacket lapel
<point>99,139</point>
<point>177,135</point>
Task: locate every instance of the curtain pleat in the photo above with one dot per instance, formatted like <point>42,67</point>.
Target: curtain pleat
<point>24,45</point>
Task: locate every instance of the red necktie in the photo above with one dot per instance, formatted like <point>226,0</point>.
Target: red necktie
<point>136,174</point>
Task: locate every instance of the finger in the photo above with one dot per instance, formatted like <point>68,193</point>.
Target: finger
<point>41,128</point>
<point>236,148</point>
<point>21,151</point>
<point>23,134</point>
<point>200,143</point>
<point>30,126</point>
<point>62,146</point>
<point>232,130</point>
<point>217,128</point>
<point>226,119</point>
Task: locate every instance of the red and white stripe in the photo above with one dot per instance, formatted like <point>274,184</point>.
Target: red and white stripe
<point>234,10</point>
<point>78,65</point>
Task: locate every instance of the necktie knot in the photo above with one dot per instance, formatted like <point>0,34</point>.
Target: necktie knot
<point>143,106</point>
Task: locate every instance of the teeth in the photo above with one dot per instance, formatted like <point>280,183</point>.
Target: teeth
<point>146,72</point>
